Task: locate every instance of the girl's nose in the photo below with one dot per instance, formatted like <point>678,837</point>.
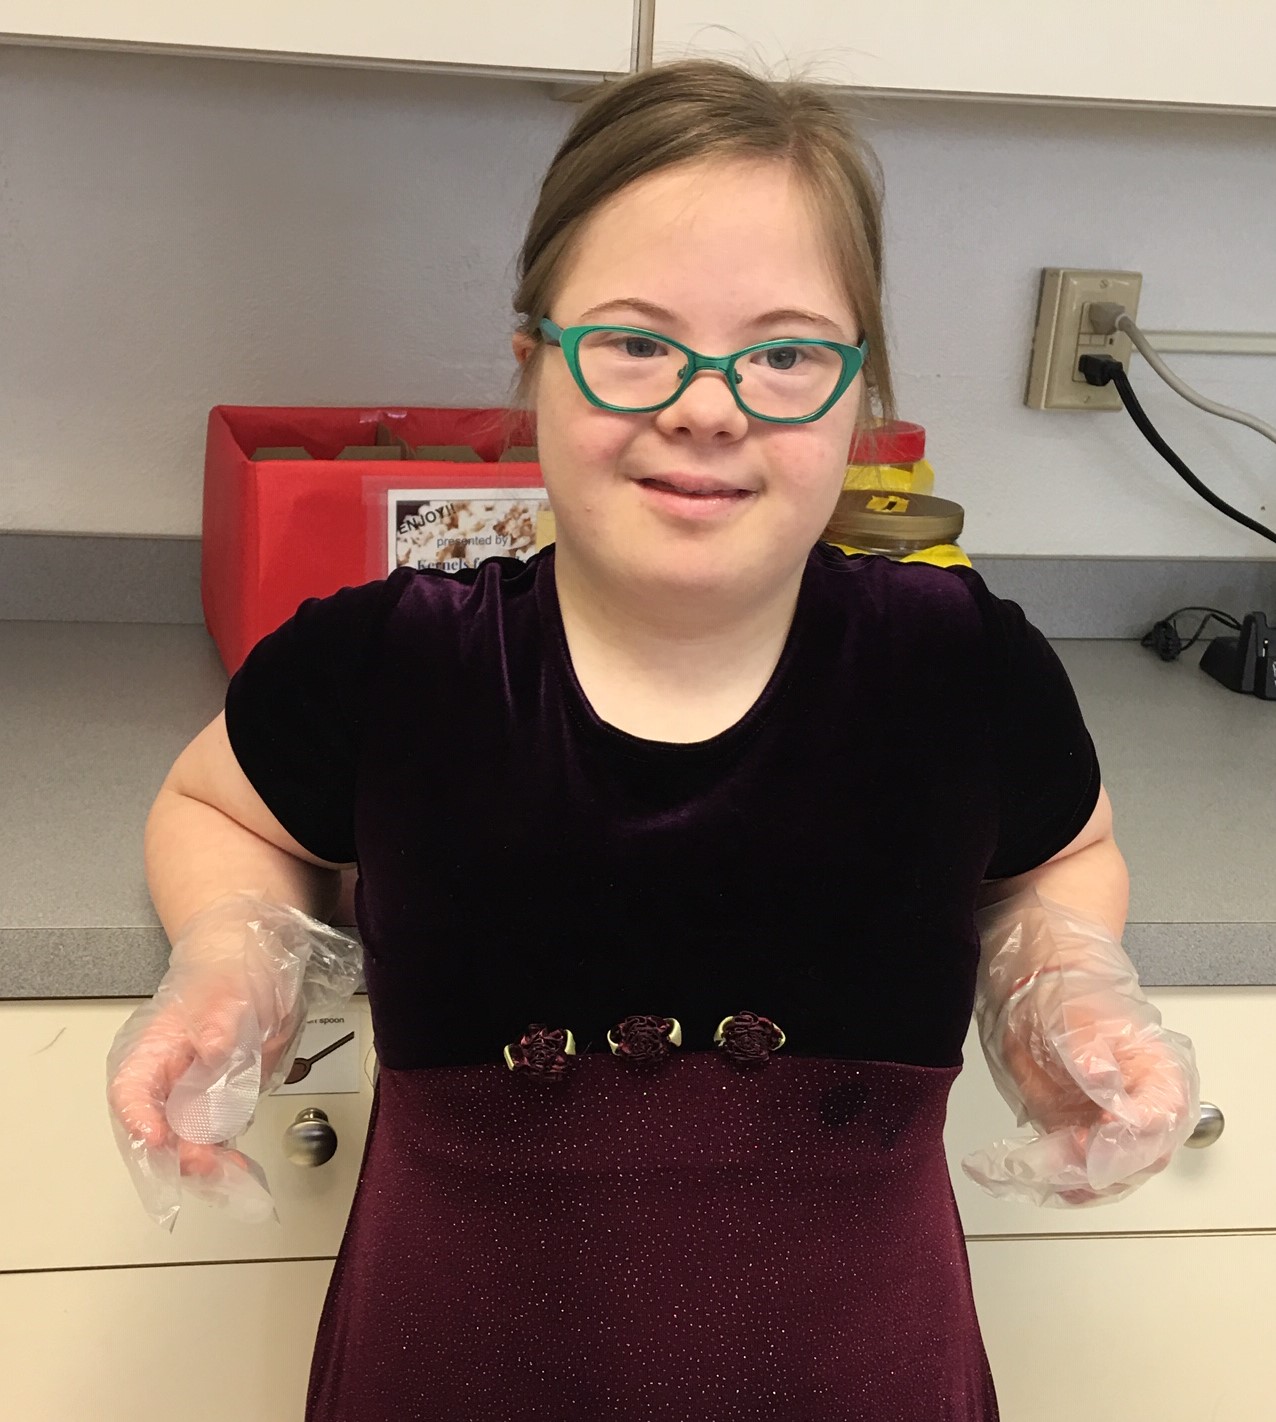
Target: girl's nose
<point>707,400</point>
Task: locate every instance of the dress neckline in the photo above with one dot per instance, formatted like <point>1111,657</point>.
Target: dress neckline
<point>584,714</point>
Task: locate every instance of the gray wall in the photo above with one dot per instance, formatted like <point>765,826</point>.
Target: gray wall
<point>177,233</point>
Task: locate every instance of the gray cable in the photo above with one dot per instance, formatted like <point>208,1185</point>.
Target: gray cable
<point>1109,316</point>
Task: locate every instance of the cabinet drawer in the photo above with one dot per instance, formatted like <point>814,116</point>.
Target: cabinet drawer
<point>1191,1317</point>
<point>1228,1185</point>
<point>70,1201</point>
<point>67,1197</point>
<point>1128,1330</point>
<point>198,1343</point>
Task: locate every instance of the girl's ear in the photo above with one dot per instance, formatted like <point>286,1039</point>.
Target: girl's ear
<point>523,347</point>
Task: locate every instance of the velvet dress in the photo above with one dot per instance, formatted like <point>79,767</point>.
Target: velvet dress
<point>757,1222</point>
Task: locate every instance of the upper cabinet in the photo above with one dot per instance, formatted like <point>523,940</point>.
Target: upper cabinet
<point>1141,51</point>
<point>557,38</point>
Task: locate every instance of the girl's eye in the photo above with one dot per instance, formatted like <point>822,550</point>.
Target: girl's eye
<point>646,347</point>
<point>782,357</point>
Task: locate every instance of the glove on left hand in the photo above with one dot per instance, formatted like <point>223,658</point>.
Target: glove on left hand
<point>1079,1053</point>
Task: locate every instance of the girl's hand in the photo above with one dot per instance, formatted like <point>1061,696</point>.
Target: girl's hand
<point>186,1070</point>
<point>1111,1096</point>
<point>153,1050</point>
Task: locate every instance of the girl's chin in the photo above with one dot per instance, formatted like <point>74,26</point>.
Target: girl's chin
<point>693,569</point>
<point>718,559</point>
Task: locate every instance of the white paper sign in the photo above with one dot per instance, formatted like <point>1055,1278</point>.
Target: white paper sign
<point>452,529</point>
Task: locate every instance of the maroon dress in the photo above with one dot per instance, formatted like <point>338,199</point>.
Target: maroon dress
<point>758,1223</point>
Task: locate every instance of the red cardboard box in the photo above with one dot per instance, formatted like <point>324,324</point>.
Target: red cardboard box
<point>299,502</point>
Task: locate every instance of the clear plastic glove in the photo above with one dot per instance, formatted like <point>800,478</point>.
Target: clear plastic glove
<point>186,1070</point>
<point>1079,1054</point>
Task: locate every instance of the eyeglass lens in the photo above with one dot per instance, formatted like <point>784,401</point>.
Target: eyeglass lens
<point>638,371</point>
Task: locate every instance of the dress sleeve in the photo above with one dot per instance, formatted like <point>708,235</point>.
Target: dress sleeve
<point>1048,777</point>
<point>295,711</point>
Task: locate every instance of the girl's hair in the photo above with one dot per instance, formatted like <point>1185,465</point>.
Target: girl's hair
<point>694,109</point>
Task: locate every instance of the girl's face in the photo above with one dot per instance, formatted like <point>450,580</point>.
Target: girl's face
<point>717,246</point>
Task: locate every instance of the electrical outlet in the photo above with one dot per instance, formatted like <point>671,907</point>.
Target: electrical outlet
<point>1064,334</point>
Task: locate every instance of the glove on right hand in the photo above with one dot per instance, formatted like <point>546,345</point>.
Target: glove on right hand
<point>186,1069</point>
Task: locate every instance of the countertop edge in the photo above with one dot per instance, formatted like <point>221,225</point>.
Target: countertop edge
<point>63,963</point>
<point>63,577</point>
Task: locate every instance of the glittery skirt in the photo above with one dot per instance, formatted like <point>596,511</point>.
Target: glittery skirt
<point>772,1242</point>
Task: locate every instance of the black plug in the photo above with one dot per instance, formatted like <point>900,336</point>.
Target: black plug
<point>1099,370</point>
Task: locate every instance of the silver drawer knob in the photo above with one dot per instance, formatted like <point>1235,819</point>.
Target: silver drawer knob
<point>1208,1128</point>
<point>310,1140</point>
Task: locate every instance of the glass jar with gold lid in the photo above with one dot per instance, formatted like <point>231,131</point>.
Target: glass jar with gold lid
<point>887,504</point>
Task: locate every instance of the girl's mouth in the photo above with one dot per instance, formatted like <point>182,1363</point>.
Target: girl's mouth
<point>689,493</point>
<point>686,503</point>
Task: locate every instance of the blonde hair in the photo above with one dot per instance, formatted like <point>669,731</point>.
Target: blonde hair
<point>693,109</point>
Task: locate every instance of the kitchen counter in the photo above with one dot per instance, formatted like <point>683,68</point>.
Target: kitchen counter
<point>93,714</point>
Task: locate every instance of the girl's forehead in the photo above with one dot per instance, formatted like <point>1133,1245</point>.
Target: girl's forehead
<point>722,190</point>
<point>713,233</point>
<point>750,213</point>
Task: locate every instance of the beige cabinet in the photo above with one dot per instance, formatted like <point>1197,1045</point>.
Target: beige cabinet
<point>1143,51</point>
<point>555,37</point>
<point>1152,1329</point>
<point>200,1343</point>
<point>1174,1329</point>
<point>1154,1307</point>
<point>67,1189</point>
<point>68,1200</point>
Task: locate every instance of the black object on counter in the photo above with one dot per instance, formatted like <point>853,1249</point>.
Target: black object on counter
<point>1247,662</point>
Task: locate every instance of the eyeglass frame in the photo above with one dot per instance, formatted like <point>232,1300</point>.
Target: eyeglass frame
<point>568,338</point>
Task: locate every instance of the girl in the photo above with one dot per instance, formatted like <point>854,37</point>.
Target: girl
<point>670,979</point>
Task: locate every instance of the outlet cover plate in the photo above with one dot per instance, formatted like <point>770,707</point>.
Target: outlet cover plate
<point>1064,334</point>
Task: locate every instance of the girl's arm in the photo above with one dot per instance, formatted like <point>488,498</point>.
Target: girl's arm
<point>209,834</point>
<point>1089,875</point>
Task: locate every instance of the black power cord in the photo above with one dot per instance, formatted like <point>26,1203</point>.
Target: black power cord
<point>1166,640</point>
<point>1099,370</point>
<point>1243,663</point>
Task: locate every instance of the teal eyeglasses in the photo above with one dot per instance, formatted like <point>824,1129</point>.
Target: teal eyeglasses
<point>633,371</point>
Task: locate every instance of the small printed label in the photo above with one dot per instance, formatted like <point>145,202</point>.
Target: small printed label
<point>452,529</point>
<point>326,1062</point>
